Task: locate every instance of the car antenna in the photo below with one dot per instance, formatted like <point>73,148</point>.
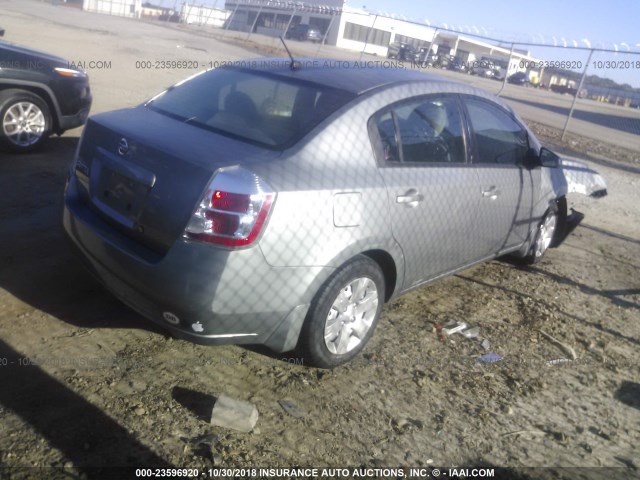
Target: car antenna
<point>294,65</point>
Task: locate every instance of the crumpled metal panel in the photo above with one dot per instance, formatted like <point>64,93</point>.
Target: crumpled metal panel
<point>582,179</point>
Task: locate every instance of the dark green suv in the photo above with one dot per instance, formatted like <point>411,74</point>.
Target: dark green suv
<point>40,94</point>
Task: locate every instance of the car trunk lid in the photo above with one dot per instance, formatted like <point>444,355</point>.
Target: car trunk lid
<point>144,173</point>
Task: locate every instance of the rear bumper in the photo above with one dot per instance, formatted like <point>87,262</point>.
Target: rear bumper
<point>198,292</point>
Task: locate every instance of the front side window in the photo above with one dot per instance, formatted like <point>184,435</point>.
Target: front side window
<point>252,106</point>
<point>427,130</point>
<point>499,138</point>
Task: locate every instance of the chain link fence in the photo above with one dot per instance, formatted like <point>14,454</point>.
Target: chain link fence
<point>571,86</point>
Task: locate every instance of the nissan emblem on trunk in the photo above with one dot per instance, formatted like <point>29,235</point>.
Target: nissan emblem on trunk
<point>123,146</point>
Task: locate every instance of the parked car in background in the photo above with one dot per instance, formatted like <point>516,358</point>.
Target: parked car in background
<point>39,96</point>
<point>519,78</point>
<point>498,74</point>
<point>483,69</point>
<point>304,32</point>
<point>284,206</point>
<point>1,32</point>
<point>170,17</point>
<point>458,65</point>
<point>403,51</point>
<point>425,58</point>
<point>421,55</point>
<point>488,71</point>
<point>444,61</point>
<point>568,90</point>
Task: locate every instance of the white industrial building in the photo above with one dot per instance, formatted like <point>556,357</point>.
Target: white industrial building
<point>200,15</point>
<point>274,17</point>
<point>121,8</point>
<point>363,31</point>
<point>343,26</point>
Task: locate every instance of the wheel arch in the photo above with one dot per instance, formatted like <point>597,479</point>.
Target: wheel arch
<point>41,91</point>
<point>388,266</point>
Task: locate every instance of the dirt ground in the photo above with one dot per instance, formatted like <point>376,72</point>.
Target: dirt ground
<point>86,383</point>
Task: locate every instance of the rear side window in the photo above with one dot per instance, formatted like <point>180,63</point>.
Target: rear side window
<point>250,105</point>
<point>426,130</point>
<point>499,138</point>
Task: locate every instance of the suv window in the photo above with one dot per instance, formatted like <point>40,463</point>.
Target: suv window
<point>427,130</point>
<point>251,105</point>
<point>499,138</point>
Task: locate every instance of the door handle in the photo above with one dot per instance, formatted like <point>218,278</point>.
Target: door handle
<point>410,198</point>
<point>492,193</point>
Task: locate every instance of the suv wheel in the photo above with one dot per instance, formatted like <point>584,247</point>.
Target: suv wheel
<point>25,120</point>
<point>344,314</point>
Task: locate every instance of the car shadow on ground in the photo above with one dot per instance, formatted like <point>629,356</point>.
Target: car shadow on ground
<point>608,233</point>
<point>96,445</point>
<point>597,325</point>
<point>614,295</point>
<point>37,265</point>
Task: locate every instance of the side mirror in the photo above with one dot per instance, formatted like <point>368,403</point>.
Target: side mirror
<point>548,158</point>
<point>532,159</point>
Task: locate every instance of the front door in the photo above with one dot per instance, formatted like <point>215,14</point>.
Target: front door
<point>422,157</point>
<point>506,184</point>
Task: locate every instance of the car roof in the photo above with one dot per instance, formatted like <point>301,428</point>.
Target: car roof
<point>357,77</point>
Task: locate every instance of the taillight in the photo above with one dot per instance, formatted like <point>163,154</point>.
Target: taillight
<point>233,210</point>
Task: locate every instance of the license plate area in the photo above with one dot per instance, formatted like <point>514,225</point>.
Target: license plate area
<point>122,194</point>
<point>119,188</point>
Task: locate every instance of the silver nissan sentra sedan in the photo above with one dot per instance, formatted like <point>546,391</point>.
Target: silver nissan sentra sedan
<point>282,204</point>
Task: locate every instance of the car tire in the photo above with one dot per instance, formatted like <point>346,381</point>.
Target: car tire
<point>350,300</point>
<point>25,120</point>
<point>545,236</point>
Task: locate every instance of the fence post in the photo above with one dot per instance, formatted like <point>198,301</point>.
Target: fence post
<point>433,39</point>
<point>231,17</point>
<point>188,13</point>
<point>255,21</point>
<point>366,42</point>
<point>575,98</point>
<point>211,10</point>
<point>215,8</point>
<point>324,39</point>
<point>504,80</point>
<point>290,20</point>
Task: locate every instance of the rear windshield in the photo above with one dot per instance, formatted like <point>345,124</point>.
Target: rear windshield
<point>250,105</point>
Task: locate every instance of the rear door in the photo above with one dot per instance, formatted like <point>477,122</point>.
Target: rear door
<point>499,149</point>
<point>421,152</point>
